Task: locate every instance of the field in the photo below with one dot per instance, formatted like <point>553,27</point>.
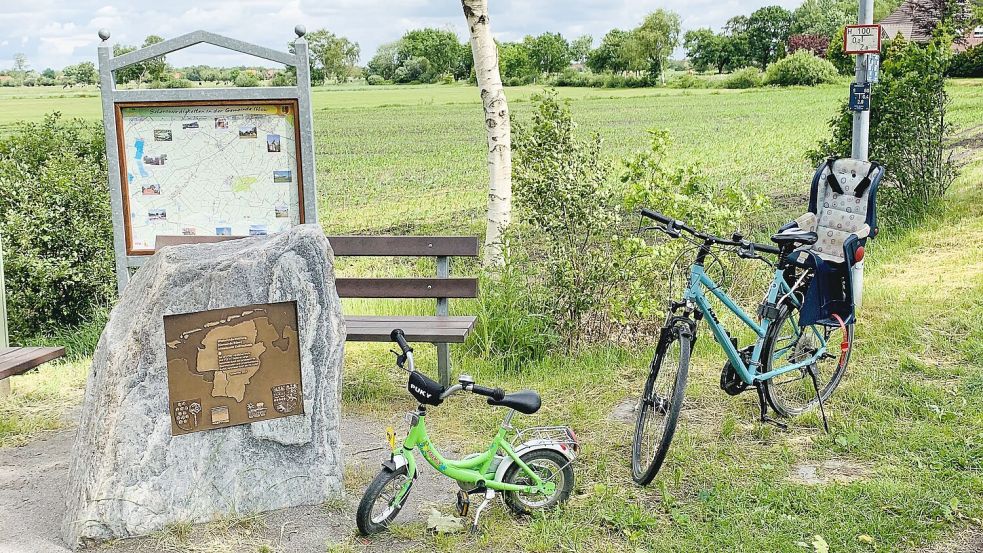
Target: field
<point>903,465</point>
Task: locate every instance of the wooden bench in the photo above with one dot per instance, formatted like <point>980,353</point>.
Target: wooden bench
<point>14,361</point>
<point>440,329</point>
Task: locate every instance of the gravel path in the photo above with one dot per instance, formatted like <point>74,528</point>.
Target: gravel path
<point>33,477</point>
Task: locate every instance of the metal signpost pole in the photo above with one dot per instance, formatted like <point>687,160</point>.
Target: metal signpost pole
<point>861,119</point>
<point>107,84</point>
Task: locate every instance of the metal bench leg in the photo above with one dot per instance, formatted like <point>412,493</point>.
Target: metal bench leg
<point>443,350</point>
<point>5,387</point>
<point>444,363</point>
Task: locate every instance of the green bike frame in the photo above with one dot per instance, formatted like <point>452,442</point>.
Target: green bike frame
<point>749,372</point>
<point>472,470</point>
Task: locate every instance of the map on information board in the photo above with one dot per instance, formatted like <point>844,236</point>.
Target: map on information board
<point>208,170</point>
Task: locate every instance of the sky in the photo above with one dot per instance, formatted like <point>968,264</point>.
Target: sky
<point>55,33</point>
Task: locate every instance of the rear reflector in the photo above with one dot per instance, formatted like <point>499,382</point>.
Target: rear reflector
<point>859,256</point>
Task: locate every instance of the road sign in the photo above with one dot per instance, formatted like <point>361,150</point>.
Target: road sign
<point>862,39</point>
<point>873,68</point>
<point>860,97</point>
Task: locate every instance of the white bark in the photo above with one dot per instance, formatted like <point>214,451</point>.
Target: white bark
<point>497,126</point>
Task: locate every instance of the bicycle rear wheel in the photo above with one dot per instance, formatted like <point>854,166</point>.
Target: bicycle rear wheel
<point>794,393</point>
<point>659,406</point>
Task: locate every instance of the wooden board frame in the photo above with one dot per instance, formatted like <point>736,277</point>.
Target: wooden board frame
<point>121,144</point>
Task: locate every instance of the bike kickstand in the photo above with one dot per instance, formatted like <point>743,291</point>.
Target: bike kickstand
<point>762,403</point>
<point>819,396</point>
<point>489,495</point>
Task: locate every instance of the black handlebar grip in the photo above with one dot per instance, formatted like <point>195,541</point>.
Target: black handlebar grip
<point>767,249</point>
<point>497,394</point>
<point>397,336</point>
<point>655,215</point>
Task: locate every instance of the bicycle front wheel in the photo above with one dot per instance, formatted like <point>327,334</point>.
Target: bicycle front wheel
<point>659,406</point>
<point>786,343</point>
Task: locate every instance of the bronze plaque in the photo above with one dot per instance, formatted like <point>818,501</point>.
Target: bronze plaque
<point>233,366</point>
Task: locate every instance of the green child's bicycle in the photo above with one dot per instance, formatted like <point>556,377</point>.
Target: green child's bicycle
<point>535,475</point>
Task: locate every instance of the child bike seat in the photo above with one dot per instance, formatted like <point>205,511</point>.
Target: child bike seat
<point>526,402</point>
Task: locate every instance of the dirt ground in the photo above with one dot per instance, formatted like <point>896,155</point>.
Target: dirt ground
<point>33,477</point>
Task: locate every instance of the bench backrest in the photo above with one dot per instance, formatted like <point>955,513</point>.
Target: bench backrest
<point>442,248</point>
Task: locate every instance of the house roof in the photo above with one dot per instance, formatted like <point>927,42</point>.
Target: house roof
<point>901,21</point>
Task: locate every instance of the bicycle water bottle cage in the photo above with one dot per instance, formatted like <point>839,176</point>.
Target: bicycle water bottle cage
<point>424,389</point>
<point>842,214</point>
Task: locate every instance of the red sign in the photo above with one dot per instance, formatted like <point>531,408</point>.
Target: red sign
<point>862,39</point>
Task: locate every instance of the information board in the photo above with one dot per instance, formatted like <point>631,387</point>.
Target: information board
<point>233,366</point>
<point>862,39</point>
<point>213,169</point>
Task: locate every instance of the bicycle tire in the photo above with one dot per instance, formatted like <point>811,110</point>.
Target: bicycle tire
<point>801,379</point>
<point>367,525</point>
<point>645,465</point>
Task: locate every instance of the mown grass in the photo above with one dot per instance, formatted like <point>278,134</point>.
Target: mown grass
<point>908,415</point>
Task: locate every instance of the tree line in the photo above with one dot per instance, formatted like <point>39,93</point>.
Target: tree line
<point>432,55</point>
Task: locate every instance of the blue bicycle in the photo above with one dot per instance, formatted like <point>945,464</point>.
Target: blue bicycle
<point>793,367</point>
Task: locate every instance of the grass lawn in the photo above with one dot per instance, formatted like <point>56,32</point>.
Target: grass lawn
<point>907,422</point>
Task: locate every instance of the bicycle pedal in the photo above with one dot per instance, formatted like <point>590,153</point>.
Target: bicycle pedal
<point>463,503</point>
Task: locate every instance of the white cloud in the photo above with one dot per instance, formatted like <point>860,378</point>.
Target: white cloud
<point>54,33</point>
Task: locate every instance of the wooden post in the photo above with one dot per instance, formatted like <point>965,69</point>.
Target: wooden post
<point>4,338</point>
<point>443,350</point>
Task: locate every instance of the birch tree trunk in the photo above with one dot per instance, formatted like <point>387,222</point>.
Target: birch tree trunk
<point>497,126</point>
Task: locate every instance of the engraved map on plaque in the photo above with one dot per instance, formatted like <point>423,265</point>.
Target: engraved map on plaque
<point>232,366</point>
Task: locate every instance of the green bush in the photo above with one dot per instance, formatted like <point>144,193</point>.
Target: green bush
<point>688,80</point>
<point>586,273</point>
<point>909,129</point>
<point>56,225</point>
<point>801,68</point>
<point>968,63</point>
<point>568,217</point>
<point>375,80</point>
<point>178,83</point>
<point>245,79</point>
<point>748,77</point>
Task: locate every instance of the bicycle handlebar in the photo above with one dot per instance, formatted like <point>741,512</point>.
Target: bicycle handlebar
<point>673,227</point>
<point>495,393</point>
<point>399,337</point>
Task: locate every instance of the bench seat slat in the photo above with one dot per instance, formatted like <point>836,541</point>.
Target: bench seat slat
<point>367,328</point>
<point>407,287</point>
<point>14,361</point>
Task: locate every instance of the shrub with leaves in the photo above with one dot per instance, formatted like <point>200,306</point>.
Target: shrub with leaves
<point>909,128</point>
<point>800,68</point>
<point>569,214</point>
<point>683,192</point>
<point>56,225</point>
<point>748,77</point>
<point>968,63</point>
<point>584,268</point>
